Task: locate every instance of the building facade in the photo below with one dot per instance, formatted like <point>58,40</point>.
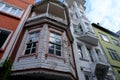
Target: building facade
<point>50,40</point>
<point>110,43</point>
<point>90,59</point>
<point>45,50</point>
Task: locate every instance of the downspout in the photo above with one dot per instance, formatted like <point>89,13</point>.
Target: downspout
<point>13,41</point>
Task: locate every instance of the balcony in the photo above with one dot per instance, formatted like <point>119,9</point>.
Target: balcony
<point>44,17</point>
<point>100,68</point>
<point>48,11</point>
<point>88,37</point>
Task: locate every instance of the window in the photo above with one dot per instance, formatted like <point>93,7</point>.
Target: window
<point>116,42</point>
<point>87,26</point>
<point>10,9</point>
<point>89,52</point>
<point>4,34</point>
<point>87,75</point>
<point>78,29</point>
<point>104,37</point>
<point>114,54</point>
<point>55,44</point>
<point>80,51</point>
<point>32,42</point>
<point>6,8</point>
<point>75,28</point>
<point>99,55</point>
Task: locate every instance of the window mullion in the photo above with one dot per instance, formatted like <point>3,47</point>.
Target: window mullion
<point>31,48</point>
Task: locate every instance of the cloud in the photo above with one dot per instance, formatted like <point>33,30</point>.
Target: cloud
<point>105,12</point>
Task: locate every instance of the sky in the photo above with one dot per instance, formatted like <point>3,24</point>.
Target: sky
<point>104,12</point>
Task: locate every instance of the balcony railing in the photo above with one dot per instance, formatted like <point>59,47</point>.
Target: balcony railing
<point>98,67</point>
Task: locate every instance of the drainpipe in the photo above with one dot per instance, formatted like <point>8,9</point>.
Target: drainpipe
<point>16,34</point>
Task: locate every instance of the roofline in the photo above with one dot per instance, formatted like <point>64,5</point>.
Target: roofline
<point>104,29</point>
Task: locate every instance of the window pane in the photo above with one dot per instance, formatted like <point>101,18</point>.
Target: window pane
<point>113,54</point>
<point>58,47</point>
<point>52,34</point>
<point>27,51</point>
<point>37,34</point>
<point>52,39</point>
<point>6,8</point>
<point>34,44</point>
<point>19,13</point>
<point>86,77</point>
<point>58,36</point>
<point>58,41</point>
<point>3,36</point>
<point>1,4</point>
<point>29,45</point>
<point>51,51</point>
<point>33,50</point>
<point>12,11</point>
<point>51,45</point>
<point>58,53</point>
<point>33,37</point>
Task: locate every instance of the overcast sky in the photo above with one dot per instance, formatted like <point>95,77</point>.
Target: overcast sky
<point>105,12</point>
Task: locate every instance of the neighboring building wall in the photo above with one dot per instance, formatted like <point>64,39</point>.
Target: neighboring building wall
<point>11,12</point>
<point>89,57</point>
<point>111,46</point>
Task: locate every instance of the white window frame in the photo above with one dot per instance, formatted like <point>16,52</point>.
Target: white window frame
<point>8,11</point>
<point>3,46</point>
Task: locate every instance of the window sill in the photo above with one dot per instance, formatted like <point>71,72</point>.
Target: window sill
<point>28,55</point>
<point>84,59</point>
<point>12,16</point>
<point>51,55</point>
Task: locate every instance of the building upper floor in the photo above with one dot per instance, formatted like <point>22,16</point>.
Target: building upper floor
<point>110,42</point>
